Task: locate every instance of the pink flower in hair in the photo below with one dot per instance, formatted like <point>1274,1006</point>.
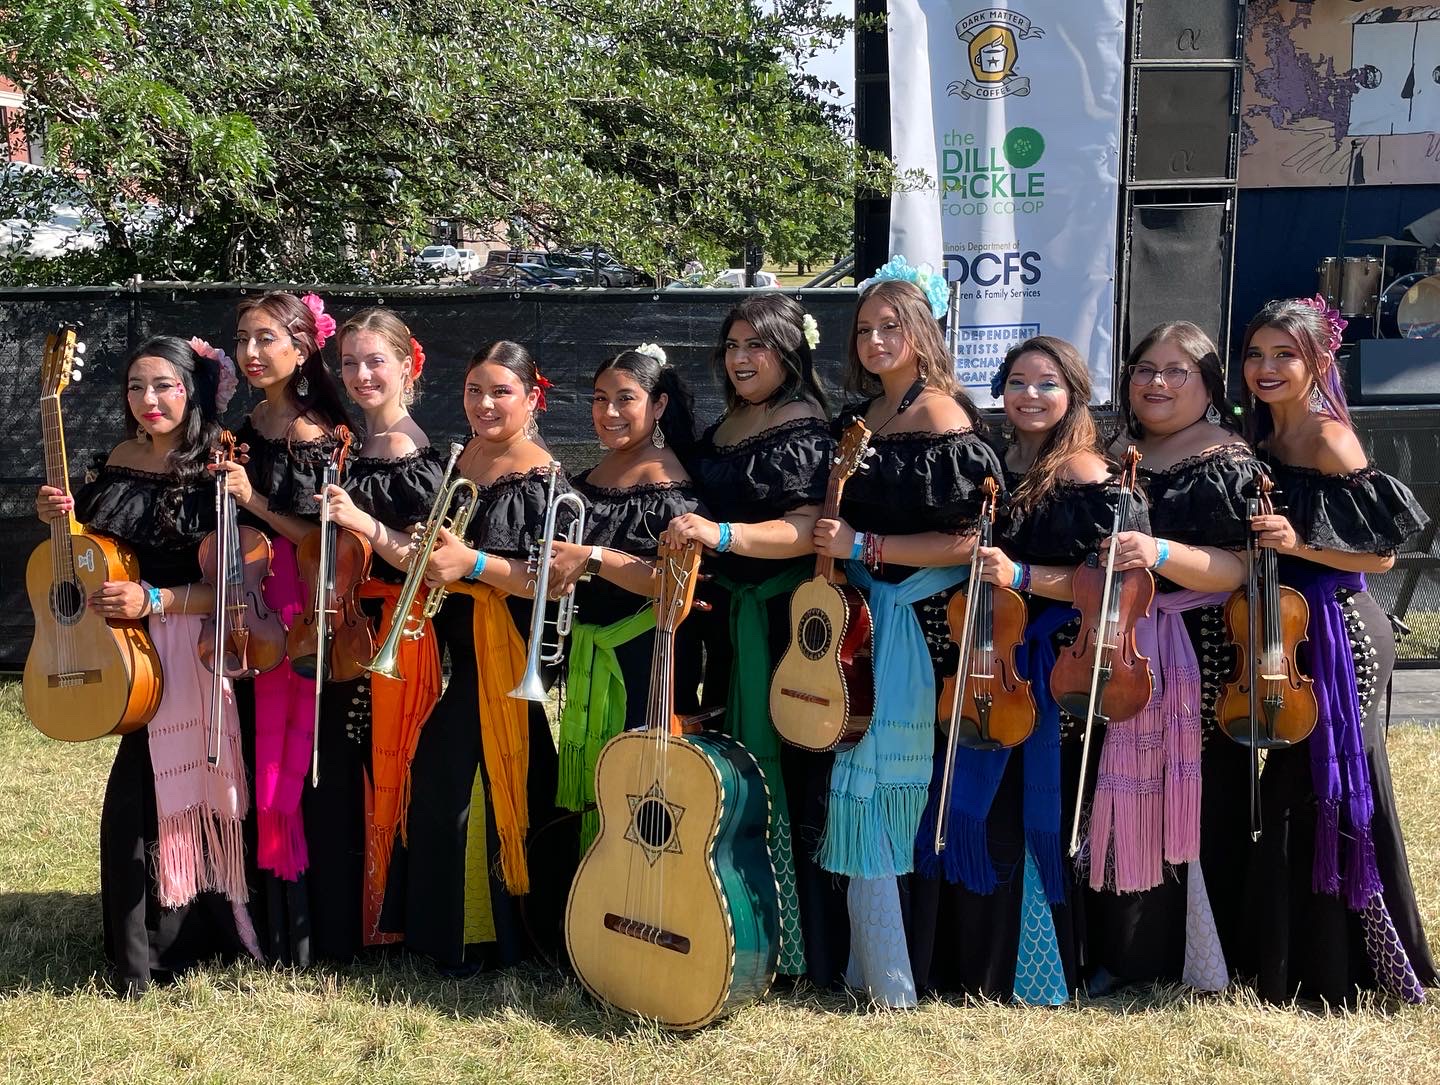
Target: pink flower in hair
<point>324,322</point>
<point>1336,324</point>
<point>227,380</point>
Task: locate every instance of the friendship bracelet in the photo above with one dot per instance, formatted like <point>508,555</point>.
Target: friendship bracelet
<point>480,558</point>
<point>1018,576</point>
<point>722,545</point>
<point>1025,580</point>
<point>1162,553</point>
<point>859,548</point>
<point>879,552</point>
<point>157,604</point>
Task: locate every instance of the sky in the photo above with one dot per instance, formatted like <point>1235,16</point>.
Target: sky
<point>839,65</point>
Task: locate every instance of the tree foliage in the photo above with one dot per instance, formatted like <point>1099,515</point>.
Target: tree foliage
<point>301,139</point>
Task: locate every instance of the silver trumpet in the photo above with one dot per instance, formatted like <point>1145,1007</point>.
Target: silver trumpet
<point>531,687</point>
<point>403,624</point>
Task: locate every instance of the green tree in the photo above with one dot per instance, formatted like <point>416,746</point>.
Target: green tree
<point>291,139</point>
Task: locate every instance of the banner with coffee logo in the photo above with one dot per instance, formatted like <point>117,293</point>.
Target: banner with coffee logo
<point>1015,111</point>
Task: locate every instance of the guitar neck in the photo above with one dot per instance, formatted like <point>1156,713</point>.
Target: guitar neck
<point>660,711</point>
<point>834,489</point>
<point>57,471</point>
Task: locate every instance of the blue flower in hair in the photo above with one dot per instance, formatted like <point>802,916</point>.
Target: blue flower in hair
<point>997,383</point>
<point>931,283</point>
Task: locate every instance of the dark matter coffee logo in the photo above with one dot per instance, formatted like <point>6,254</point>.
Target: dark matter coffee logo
<point>992,38</point>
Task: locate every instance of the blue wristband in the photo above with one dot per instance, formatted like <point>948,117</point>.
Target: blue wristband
<point>1162,553</point>
<point>723,543</point>
<point>480,559</point>
<point>1018,576</point>
<point>859,547</point>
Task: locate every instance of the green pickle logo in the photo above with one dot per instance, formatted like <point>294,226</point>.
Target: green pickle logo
<point>1023,147</point>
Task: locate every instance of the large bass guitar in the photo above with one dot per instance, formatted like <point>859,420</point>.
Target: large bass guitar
<point>823,689</point>
<point>85,677</point>
<point>674,914</point>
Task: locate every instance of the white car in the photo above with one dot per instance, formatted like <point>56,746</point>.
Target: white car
<point>470,261</point>
<point>735,276</point>
<point>66,230</point>
<point>440,259</point>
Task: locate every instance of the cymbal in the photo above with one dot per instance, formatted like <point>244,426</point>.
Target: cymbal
<point>1385,241</point>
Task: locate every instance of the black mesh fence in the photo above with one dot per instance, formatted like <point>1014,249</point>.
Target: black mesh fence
<point>569,334</point>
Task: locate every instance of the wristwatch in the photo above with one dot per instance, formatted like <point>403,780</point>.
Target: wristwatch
<point>594,562</point>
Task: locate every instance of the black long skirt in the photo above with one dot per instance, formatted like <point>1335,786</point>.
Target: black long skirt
<point>1308,945</point>
<point>145,942</point>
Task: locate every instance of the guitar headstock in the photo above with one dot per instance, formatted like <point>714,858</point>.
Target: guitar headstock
<point>679,571</point>
<point>62,361</point>
<point>854,447</point>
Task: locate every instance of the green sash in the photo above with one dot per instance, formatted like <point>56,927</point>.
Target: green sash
<point>747,718</point>
<point>594,710</point>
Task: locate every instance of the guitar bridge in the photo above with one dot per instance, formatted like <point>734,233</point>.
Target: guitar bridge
<point>808,698</point>
<point>646,932</point>
<point>72,678</point>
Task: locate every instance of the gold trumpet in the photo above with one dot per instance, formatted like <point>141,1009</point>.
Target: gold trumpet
<point>403,624</point>
<point>531,687</point>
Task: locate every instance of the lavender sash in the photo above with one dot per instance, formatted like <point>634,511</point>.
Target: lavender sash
<point>1147,794</point>
<point>1338,769</point>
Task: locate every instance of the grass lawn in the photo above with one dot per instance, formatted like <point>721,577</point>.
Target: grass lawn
<point>396,1020</point>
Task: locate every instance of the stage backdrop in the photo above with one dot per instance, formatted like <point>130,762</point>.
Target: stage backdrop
<point>1327,80</point>
<point>1016,110</point>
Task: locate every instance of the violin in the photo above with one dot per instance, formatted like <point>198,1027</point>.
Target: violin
<point>334,561</point>
<point>242,632</point>
<point>1103,675</point>
<point>1268,702</point>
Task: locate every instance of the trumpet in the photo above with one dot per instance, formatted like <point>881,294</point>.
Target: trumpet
<point>403,624</point>
<point>531,688</point>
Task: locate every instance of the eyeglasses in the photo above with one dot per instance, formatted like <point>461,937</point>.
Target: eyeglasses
<point>1173,377</point>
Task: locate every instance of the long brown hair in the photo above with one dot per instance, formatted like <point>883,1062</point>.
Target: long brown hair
<point>322,402</point>
<point>921,332</point>
<point>779,321</point>
<point>1310,329</point>
<point>1076,431</point>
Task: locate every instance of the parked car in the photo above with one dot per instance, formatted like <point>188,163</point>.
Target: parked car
<point>525,276</point>
<point>437,259</point>
<point>469,262</point>
<point>735,276</point>
<point>612,272</point>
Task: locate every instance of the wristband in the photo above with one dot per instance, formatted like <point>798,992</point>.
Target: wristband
<point>1025,580</point>
<point>1018,576</point>
<point>859,547</point>
<point>1162,553</point>
<point>722,545</point>
<point>480,559</point>
<point>157,603</point>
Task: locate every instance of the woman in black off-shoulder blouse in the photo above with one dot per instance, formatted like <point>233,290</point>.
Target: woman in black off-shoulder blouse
<point>761,471</point>
<point>1331,907</point>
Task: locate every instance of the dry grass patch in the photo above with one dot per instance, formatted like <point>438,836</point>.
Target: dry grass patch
<point>395,1020</point>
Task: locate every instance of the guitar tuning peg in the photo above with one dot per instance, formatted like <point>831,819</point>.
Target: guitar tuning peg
<point>80,347</point>
<point>79,361</point>
<point>75,375</point>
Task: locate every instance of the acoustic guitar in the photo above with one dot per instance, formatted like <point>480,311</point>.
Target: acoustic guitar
<point>85,677</point>
<point>674,914</point>
<point>823,689</point>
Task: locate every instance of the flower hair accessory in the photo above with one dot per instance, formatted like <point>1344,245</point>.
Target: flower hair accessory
<point>227,380</point>
<point>931,283</point>
<point>1336,322</point>
<point>811,331</point>
<point>653,350</point>
<point>997,383</point>
<point>541,384</point>
<point>417,358</point>
<point>324,322</point>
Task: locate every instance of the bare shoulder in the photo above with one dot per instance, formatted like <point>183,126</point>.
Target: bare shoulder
<point>796,409</point>
<point>391,446</point>
<point>1336,450</point>
<point>133,453</point>
<point>303,429</point>
<point>938,414</point>
<point>1086,467</point>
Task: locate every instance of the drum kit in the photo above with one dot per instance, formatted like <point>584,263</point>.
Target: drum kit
<point>1408,307</point>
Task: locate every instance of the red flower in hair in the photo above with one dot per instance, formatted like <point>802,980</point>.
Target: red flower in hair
<point>417,358</point>
<point>541,383</point>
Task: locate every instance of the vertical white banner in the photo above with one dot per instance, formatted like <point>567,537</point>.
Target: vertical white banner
<point>1025,99</point>
<point>915,220</point>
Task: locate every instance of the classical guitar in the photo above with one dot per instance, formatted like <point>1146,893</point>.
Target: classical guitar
<point>85,677</point>
<point>674,914</point>
<point>822,692</point>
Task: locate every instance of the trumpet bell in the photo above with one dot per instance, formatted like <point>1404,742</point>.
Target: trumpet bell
<point>386,662</point>
<point>531,688</point>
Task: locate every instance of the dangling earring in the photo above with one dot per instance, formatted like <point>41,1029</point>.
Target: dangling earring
<point>408,397</point>
<point>657,436</point>
<point>1007,431</point>
<point>1317,399</point>
<point>923,372</point>
<point>532,429</point>
<point>302,386</point>
<point>1212,415</point>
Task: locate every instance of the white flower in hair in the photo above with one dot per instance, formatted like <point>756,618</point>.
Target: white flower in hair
<point>811,331</point>
<point>653,350</point>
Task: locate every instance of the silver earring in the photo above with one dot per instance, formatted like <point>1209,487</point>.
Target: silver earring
<point>1212,415</point>
<point>532,430</point>
<point>657,436</point>
<point>302,386</point>
<point>1317,400</point>
<point>408,398</point>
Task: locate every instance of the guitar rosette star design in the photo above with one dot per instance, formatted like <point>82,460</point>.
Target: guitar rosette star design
<point>654,820</point>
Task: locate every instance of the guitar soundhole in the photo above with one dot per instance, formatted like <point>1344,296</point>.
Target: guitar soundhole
<point>654,825</point>
<point>67,602</point>
<point>814,633</point>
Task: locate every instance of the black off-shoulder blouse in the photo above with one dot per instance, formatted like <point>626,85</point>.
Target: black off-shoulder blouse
<point>398,492</point>
<point>1360,512</point>
<point>629,520</point>
<point>1202,500</point>
<point>1067,523</point>
<point>159,518</point>
<point>762,478</point>
<point>509,517</point>
<point>287,472</point>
